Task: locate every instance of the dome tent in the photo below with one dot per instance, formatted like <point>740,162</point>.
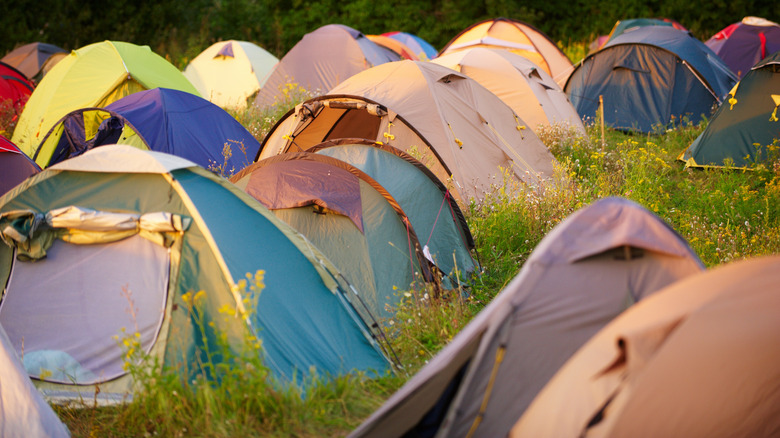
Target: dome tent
<point>352,219</point>
<point>469,137</point>
<point>435,216</point>
<point>163,229</point>
<point>230,72</point>
<point>34,59</point>
<point>650,78</point>
<point>518,37</point>
<point>742,45</point>
<point>160,119</point>
<point>322,59</point>
<point>697,359</point>
<point>93,76</point>
<point>587,270</point>
<point>746,127</point>
<point>520,83</point>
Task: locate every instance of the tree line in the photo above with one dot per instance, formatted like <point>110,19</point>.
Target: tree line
<point>181,30</point>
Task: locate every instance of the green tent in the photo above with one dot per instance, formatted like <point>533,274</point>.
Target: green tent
<point>352,219</point>
<point>431,208</point>
<point>144,242</point>
<point>93,76</point>
<point>746,128</point>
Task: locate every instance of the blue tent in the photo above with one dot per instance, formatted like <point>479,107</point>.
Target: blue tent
<point>160,119</point>
<point>650,78</point>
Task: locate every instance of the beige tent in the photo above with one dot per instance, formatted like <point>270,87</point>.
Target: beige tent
<point>321,60</point>
<point>229,72</point>
<point>698,359</point>
<point>585,272</point>
<point>521,84</point>
<point>443,118</point>
<point>518,37</point>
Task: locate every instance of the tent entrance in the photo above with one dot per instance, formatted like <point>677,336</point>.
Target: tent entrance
<point>68,314</point>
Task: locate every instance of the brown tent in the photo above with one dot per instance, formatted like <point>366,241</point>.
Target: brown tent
<point>320,60</point>
<point>518,37</point>
<point>698,359</point>
<point>469,137</point>
<point>585,272</point>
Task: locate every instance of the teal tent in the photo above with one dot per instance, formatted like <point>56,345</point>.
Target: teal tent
<point>131,241</point>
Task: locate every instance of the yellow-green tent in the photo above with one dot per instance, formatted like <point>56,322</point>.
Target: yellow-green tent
<point>93,76</point>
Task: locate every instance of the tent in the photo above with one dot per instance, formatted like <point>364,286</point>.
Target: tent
<point>423,49</point>
<point>697,359</point>
<point>467,135</point>
<point>23,410</point>
<point>741,45</point>
<point>34,59</point>
<point>396,46</point>
<point>230,72</point>
<point>322,59</point>
<point>520,83</point>
<point>746,128</point>
<point>93,76</point>
<point>584,273</point>
<point>431,209</point>
<point>623,26</point>
<point>518,37</point>
<point>160,119</point>
<point>352,219</point>
<point>144,242</point>
<point>650,78</point>
<point>15,166</point>
<point>15,89</point>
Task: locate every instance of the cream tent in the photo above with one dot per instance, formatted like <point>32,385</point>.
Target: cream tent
<point>698,359</point>
<point>23,411</point>
<point>521,84</point>
<point>230,72</point>
<point>585,272</point>
<point>466,134</point>
<point>518,37</point>
<point>320,60</point>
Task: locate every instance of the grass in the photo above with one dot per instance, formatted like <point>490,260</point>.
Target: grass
<point>725,215</point>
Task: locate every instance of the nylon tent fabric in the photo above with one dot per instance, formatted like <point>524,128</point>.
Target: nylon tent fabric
<point>697,359</point>
<point>396,46</point>
<point>518,37</point>
<point>93,76</point>
<point>743,44</point>
<point>421,48</point>
<point>745,130</point>
<point>160,119</point>
<point>23,411</point>
<point>623,26</point>
<point>15,89</point>
<point>350,218</point>
<point>650,79</point>
<point>530,92</point>
<point>585,272</point>
<point>319,61</point>
<point>471,139</point>
<point>228,73</point>
<point>211,234</point>
<point>435,216</point>
<point>31,58</point>
<point>15,166</point>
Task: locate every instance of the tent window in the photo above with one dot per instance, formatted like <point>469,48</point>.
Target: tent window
<point>62,313</point>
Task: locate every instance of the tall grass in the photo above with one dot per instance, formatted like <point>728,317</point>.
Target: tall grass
<point>725,215</point>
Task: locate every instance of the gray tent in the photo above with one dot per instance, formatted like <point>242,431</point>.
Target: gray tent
<point>23,411</point>
<point>584,273</point>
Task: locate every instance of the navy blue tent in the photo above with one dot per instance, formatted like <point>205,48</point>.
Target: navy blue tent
<point>160,119</point>
<point>650,78</point>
